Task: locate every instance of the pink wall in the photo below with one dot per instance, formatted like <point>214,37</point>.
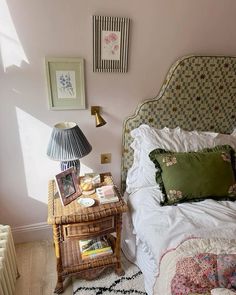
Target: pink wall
<point>161,31</point>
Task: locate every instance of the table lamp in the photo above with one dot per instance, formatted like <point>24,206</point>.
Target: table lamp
<point>68,144</point>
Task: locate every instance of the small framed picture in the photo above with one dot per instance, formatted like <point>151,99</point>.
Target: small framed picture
<point>68,186</point>
<point>110,44</point>
<point>65,77</point>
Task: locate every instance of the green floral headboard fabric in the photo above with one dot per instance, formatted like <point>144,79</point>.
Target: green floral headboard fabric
<point>199,93</point>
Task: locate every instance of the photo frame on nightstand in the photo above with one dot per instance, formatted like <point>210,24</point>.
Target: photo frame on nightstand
<point>68,186</point>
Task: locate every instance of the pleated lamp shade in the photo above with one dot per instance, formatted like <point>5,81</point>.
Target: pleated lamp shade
<point>68,144</point>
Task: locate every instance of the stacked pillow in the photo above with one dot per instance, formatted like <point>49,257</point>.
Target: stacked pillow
<point>195,176</point>
<point>146,139</point>
<point>234,133</point>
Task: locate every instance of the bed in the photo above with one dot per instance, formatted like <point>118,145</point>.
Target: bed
<point>184,240</point>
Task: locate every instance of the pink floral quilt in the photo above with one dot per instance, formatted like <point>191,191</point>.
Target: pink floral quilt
<point>203,272</point>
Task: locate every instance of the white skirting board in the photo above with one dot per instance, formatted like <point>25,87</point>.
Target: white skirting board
<point>32,232</point>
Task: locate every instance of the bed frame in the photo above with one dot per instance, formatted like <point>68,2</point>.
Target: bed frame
<point>199,93</point>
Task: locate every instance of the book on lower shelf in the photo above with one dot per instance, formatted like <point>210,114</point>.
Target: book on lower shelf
<point>95,247</point>
<point>106,194</point>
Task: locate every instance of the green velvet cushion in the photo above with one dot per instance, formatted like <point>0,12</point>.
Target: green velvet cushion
<point>195,176</point>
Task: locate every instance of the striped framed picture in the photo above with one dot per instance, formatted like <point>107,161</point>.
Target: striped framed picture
<point>110,44</point>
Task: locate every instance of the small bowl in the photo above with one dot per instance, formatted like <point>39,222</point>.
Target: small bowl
<point>86,202</point>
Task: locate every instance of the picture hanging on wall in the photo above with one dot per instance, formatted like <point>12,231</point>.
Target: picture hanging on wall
<point>65,78</point>
<point>110,44</point>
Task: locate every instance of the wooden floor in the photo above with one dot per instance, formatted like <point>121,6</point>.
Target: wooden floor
<point>37,267</point>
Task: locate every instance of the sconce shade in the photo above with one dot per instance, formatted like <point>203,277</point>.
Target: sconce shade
<point>67,143</point>
<point>99,120</point>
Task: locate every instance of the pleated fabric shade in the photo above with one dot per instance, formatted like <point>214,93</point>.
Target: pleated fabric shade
<point>67,144</point>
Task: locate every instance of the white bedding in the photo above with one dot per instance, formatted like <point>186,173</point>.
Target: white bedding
<point>159,229</point>
<point>153,229</point>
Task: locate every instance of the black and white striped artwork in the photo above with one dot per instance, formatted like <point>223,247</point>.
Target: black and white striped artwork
<point>110,44</point>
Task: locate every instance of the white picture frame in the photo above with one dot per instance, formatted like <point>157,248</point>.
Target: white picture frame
<point>65,80</point>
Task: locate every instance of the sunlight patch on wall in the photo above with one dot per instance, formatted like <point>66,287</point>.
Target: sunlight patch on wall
<point>12,51</point>
<point>34,137</point>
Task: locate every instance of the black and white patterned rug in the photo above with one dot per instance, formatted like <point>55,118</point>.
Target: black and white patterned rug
<point>111,284</point>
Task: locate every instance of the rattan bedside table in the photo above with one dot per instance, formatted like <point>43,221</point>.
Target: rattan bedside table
<point>73,222</point>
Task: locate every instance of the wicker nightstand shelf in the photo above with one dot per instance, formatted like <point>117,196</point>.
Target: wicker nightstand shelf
<point>73,222</point>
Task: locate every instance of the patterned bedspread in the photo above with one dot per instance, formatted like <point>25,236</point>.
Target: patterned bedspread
<point>204,272</point>
<point>198,266</point>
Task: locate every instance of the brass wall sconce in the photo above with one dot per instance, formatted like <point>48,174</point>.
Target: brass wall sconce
<point>99,121</point>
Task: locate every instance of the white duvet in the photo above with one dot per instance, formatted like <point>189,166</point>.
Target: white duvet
<point>162,228</point>
<point>159,229</point>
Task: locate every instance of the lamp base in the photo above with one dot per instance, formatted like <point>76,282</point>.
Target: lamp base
<point>68,164</point>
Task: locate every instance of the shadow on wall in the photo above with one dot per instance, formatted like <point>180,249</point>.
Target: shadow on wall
<point>34,137</point>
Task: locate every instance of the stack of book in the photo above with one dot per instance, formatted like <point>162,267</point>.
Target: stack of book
<point>106,194</point>
<point>93,248</point>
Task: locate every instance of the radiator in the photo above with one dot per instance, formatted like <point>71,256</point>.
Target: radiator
<point>8,266</point>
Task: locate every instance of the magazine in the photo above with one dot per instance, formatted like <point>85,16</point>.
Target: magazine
<point>95,247</point>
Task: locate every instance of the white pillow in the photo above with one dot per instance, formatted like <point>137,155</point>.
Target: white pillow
<point>142,172</point>
<point>221,139</point>
<point>234,132</point>
<point>146,139</point>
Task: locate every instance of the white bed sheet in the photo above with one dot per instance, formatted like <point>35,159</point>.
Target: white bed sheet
<point>136,252</point>
<point>157,229</point>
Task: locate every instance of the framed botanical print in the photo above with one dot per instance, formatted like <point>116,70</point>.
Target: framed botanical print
<point>65,77</point>
<point>110,44</point>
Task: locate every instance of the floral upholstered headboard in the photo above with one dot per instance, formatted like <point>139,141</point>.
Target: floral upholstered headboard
<point>199,93</point>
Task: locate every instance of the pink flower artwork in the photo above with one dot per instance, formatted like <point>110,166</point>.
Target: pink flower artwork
<point>110,45</point>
